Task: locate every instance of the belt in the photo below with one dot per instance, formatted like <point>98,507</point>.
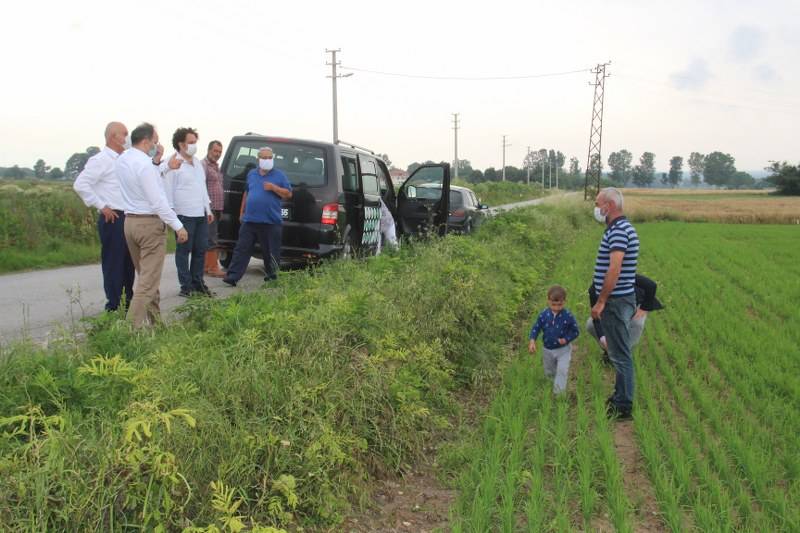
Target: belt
<point>140,216</point>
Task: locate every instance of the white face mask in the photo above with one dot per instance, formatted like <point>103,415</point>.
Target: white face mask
<point>266,164</point>
<point>599,216</point>
<point>126,144</point>
<point>191,149</point>
<point>153,150</point>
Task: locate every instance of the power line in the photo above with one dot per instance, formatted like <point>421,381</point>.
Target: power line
<point>466,78</point>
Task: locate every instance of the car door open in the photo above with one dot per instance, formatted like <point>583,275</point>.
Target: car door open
<point>423,200</point>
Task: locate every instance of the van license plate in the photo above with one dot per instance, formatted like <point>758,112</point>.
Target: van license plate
<point>285,213</point>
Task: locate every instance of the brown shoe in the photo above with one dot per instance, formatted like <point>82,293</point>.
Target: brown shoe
<point>212,265</point>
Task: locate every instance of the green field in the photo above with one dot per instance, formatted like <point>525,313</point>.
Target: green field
<point>713,446</point>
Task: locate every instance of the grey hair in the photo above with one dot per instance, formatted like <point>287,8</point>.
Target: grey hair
<point>612,194</point>
<point>266,148</point>
<point>109,127</point>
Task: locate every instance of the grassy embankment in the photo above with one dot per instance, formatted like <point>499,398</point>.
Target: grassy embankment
<point>714,436</point>
<point>494,193</point>
<point>274,408</point>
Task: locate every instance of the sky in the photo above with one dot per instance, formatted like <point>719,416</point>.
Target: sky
<point>686,76</point>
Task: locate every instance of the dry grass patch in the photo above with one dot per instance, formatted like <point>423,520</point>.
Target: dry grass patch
<point>741,207</point>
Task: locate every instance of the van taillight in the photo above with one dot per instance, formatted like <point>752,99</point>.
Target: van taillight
<point>330,213</point>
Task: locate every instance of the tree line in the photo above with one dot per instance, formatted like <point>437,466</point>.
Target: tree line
<point>42,170</point>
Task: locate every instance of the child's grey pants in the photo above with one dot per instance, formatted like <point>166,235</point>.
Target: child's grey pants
<point>556,365</point>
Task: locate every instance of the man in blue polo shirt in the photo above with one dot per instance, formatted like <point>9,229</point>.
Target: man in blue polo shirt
<point>261,219</point>
<point>614,280</point>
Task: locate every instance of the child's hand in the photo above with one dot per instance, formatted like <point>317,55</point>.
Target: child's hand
<point>532,346</point>
<point>562,342</point>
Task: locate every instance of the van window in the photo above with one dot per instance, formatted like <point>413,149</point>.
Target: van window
<point>304,165</point>
<point>370,184</point>
<point>350,177</point>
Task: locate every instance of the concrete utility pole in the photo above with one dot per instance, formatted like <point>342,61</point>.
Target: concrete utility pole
<point>455,132</point>
<point>549,171</point>
<point>556,172</point>
<point>542,164</point>
<point>505,145</point>
<point>334,63</point>
<point>528,165</point>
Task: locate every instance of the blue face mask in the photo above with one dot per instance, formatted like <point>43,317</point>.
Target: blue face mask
<point>153,151</point>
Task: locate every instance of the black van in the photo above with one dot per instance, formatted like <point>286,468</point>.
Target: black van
<point>335,205</point>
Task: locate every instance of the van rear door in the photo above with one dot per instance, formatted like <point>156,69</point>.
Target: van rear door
<point>423,201</point>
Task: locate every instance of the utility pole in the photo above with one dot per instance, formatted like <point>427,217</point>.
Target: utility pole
<point>505,145</point>
<point>549,171</point>
<point>542,164</point>
<point>455,132</point>
<point>528,165</point>
<point>334,63</point>
<point>594,163</point>
<point>556,171</point>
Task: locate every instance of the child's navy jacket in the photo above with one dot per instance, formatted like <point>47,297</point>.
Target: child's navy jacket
<point>560,326</point>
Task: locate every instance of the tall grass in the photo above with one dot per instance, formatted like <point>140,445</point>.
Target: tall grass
<point>273,408</point>
<point>44,225</point>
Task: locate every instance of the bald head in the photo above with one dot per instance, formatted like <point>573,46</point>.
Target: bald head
<point>116,132</point>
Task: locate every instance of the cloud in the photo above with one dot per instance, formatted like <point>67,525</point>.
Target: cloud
<point>764,72</point>
<point>692,77</point>
<point>746,42</point>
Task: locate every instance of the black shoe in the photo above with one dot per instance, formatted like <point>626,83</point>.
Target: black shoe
<point>615,413</point>
<point>185,293</point>
<point>230,282</point>
<point>205,291</point>
<point>267,279</point>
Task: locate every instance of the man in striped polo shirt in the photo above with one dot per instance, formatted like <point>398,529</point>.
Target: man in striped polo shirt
<point>614,279</point>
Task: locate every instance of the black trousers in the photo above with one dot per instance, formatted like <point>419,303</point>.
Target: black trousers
<point>269,237</point>
<point>118,271</point>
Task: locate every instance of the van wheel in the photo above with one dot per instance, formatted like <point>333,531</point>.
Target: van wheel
<point>225,258</point>
<point>348,250</point>
<point>468,228</point>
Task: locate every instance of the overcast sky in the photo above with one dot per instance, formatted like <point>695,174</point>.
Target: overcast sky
<point>685,75</point>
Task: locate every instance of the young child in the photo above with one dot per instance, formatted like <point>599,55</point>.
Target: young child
<point>559,329</point>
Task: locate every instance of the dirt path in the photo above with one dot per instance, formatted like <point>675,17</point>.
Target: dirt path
<point>638,487</point>
<point>417,502</point>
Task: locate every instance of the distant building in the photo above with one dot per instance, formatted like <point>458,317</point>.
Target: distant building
<point>398,175</point>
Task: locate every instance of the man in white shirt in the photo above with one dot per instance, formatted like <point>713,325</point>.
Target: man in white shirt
<point>98,187</point>
<point>147,214</point>
<point>185,183</point>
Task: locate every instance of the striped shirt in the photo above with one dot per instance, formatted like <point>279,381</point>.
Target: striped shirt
<point>620,235</point>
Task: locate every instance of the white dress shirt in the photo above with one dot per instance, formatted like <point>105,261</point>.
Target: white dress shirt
<point>97,184</point>
<point>186,188</point>
<point>142,187</point>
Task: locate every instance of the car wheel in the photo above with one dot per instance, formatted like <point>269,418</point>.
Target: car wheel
<point>468,227</point>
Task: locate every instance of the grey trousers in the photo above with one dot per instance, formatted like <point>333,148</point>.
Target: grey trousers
<point>556,366</point>
<point>636,329</point>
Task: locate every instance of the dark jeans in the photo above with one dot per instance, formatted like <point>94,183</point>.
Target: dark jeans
<point>616,321</point>
<point>269,237</point>
<point>118,271</point>
<point>190,274</point>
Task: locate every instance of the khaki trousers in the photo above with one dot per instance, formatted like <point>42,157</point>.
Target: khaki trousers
<point>147,241</point>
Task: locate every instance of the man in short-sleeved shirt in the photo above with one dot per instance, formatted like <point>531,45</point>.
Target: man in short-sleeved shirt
<point>261,218</point>
<point>614,280</point>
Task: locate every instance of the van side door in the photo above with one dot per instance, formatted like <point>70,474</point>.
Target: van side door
<point>423,201</point>
<point>371,214</point>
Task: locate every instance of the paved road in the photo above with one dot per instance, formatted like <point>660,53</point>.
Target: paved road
<point>40,304</point>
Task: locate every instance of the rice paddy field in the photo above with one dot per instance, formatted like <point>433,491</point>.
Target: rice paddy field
<point>714,441</point>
